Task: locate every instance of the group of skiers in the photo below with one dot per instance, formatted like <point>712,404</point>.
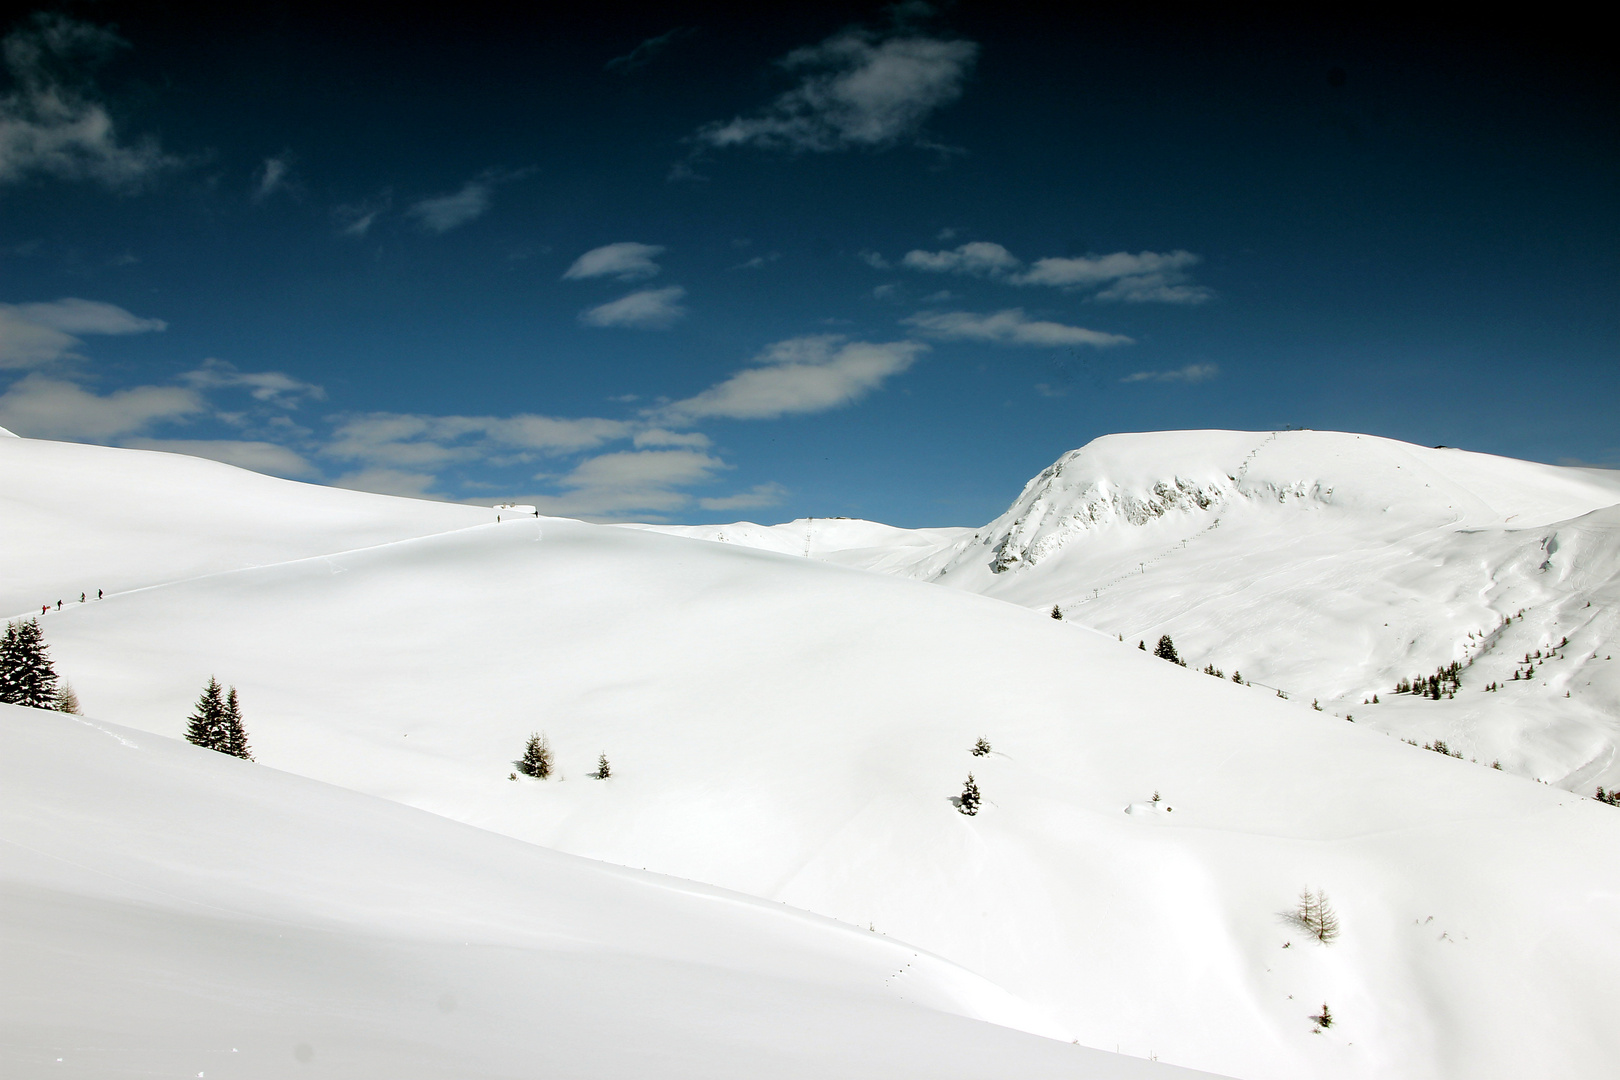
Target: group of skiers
<point>45,608</point>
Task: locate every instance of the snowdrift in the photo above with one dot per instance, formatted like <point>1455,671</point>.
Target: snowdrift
<point>172,911</point>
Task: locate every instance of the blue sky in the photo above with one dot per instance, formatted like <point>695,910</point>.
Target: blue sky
<point>694,263</point>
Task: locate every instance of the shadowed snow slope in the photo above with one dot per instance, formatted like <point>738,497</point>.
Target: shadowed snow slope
<point>174,912</point>
<point>1324,564</point>
<point>795,731</point>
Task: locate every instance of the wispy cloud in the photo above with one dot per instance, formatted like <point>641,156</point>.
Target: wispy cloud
<point>441,213</point>
<point>799,375</point>
<point>273,176</point>
<point>418,441</point>
<point>37,406</point>
<point>51,123</point>
<point>626,261</point>
<point>857,89</point>
<point>35,334</point>
<point>980,258</point>
<point>270,387</point>
<point>647,51</point>
<point>261,457</point>
<point>649,309</point>
<point>1009,327</point>
<point>630,482</point>
<point>356,219</point>
<point>770,494</point>
<point>414,485</point>
<point>1142,277</point>
<point>759,262</point>
<point>1192,373</point>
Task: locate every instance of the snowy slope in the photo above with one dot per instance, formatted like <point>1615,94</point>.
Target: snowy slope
<point>1330,566</point>
<point>124,519</point>
<point>174,912</point>
<point>794,731</point>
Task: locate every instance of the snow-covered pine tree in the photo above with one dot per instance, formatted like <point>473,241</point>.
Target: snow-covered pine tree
<point>980,748</point>
<point>536,760</point>
<point>26,675</point>
<point>1325,1020</point>
<point>602,769</point>
<point>968,801</point>
<point>236,741</point>
<point>1057,612</point>
<point>1166,650</point>
<point>206,726</point>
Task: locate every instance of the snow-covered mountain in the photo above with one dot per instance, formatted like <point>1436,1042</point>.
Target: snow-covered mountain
<point>795,731</point>
<point>1330,566</point>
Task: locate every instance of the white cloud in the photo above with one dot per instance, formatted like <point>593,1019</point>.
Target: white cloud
<point>260,457</point>
<point>442,213</point>
<point>662,437</point>
<point>416,441</point>
<point>33,334</point>
<point>649,309</point>
<point>759,495</point>
<point>759,261</point>
<point>1192,373</point>
<point>50,127</point>
<point>1156,288</point>
<point>874,259</point>
<point>1093,270</point>
<point>858,90</point>
<point>627,261</point>
<point>270,387</point>
<point>40,407</point>
<point>800,375</point>
<point>617,484</point>
<point>273,177</point>
<point>980,258</point>
<point>388,482</point>
<point>1011,327</point>
<point>1143,277</point>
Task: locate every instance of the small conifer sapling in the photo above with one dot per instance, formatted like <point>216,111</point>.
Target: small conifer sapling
<point>981,748</point>
<point>603,771</point>
<point>968,801</point>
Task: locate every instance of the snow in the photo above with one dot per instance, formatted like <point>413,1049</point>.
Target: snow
<point>1330,566</point>
<point>172,911</point>
<point>794,731</point>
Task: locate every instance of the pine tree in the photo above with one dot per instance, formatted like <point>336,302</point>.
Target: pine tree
<point>980,748</point>
<point>206,727</point>
<point>1166,650</point>
<point>235,735</point>
<point>968,801</point>
<point>602,769</point>
<point>1325,1020</point>
<point>536,760</point>
<point>1057,613</point>
<point>26,675</point>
